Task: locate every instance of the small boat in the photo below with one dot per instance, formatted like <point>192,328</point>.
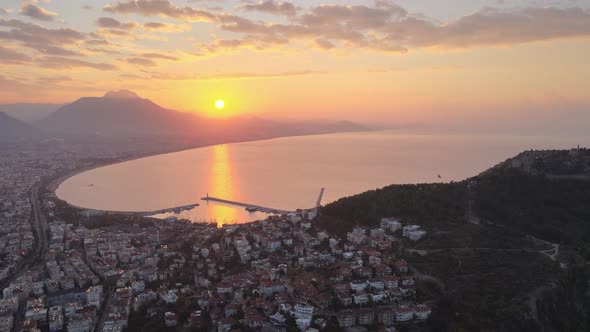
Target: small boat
<point>251,209</point>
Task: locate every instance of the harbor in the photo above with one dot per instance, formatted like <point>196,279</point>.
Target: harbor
<point>247,206</point>
<point>177,209</point>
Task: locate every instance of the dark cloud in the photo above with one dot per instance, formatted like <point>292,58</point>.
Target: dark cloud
<point>37,13</point>
<point>9,56</point>
<point>271,6</point>
<point>160,8</point>
<point>56,62</point>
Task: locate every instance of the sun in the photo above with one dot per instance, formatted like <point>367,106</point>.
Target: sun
<point>219,104</point>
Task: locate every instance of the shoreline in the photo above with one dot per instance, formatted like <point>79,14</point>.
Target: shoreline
<point>55,183</point>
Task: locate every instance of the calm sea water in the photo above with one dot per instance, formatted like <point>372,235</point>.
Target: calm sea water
<point>288,173</point>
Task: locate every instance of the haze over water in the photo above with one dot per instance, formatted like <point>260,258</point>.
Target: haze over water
<point>288,173</point>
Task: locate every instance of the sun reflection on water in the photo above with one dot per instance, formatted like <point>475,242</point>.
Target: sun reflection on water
<point>222,185</point>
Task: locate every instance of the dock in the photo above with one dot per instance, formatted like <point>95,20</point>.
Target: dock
<point>177,209</point>
<point>246,205</point>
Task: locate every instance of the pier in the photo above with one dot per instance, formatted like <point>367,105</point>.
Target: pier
<point>246,205</point>
<point>177,209</point>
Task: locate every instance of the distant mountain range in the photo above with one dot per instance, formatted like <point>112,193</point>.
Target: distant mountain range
<point>11,128</point>
<point>123,114</point>
<point>29,113</point>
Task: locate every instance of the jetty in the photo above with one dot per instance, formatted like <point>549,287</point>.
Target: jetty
<point>177,209</point>
<point>249,207</point>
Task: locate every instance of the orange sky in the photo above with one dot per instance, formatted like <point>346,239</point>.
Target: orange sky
<point>343,59</point>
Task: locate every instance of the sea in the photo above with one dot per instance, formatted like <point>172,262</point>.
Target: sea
<point>288,173</point>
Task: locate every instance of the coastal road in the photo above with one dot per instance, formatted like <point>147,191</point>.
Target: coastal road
<point>40,229</point>
<point>40,226</point>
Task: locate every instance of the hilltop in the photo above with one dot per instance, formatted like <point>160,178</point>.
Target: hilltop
<point>507,249</point>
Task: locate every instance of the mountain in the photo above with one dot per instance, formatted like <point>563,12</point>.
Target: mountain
<point>11,128</point>
<point>29,113</point>
<point>124,114</point>
<point>118,114</point>
<point>121,94</point>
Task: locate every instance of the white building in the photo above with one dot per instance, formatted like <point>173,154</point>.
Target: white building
<point>80,324</point>
<point>422,311</point>
<point>403,314</point>
<point>413,232</point>
<point>94,296</point>
<point>302,310</point>
<point>390,224</point>
<point>170,319</point>
<point>357,236</point>
<point>56,319</point>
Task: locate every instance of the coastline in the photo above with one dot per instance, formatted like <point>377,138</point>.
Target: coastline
<point>55,183</point>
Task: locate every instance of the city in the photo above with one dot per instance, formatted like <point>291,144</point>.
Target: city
<point>276,273</point>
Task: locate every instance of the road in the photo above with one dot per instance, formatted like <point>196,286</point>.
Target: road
<point>40,226</point>
<point>40,229</point>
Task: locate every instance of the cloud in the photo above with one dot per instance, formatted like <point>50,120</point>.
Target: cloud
<point>111,23</point>
<point>48,41</point>
<point>272,7</point>
<point>98,42</point>
<point>101,50</point>
<point>229,76</point>
<point>141,61</point>
<point>165,27</point>
<point>37,13</point>
<point>8,84</point>
<point>389,28</point>
<point>159,56</point>
<point>160,8</point>
<point>236,76</point>
<point>497,27</point>
<point>9,56</point>
<point>324,44</point>
<point>56,62</point>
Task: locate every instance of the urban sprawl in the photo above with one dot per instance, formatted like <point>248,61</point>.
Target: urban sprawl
<point>278,274</point>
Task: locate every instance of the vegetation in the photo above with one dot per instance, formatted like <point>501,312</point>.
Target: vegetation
<point>491,276</point>
<point>554,210</point>
<point>424,203</point>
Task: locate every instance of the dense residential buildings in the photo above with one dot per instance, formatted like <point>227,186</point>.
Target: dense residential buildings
<point>83,275</point>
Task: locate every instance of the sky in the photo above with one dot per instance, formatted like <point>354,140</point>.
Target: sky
<point>394,62</point>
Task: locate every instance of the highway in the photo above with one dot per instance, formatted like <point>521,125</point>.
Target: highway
<point>40,227</point>
<point>40,231</point>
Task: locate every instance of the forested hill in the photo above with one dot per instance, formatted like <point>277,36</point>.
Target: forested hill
<point>509,248</point>
<point>542,193</point>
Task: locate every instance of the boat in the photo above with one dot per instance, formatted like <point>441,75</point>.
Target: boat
<point>251,209</point>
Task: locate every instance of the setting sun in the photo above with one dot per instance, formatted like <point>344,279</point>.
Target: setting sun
<point>219,104</point>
